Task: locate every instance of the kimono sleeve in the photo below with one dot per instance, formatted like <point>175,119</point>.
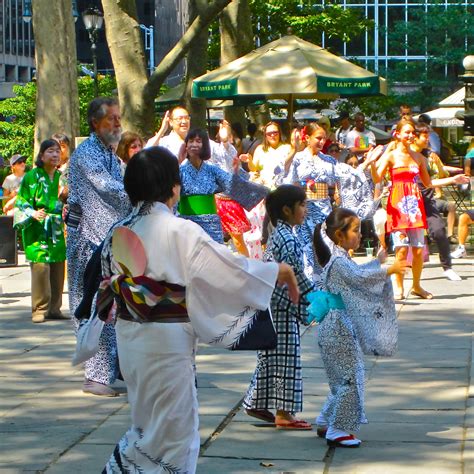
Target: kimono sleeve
<point>371,276</point>
<point>292,255</point>
<point>23,213</point>
<point>224,291</point>
<point>292,176</point>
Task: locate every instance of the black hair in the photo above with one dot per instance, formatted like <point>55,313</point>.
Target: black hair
<point>424,118</point>
<point>285,195</point>
<point>61,138</point>
<point>43,147</point>
<point>339,219</point>
<point>97,109</point>
<point>151,175</point>
<point>206,144</point>
<point>251,129</point>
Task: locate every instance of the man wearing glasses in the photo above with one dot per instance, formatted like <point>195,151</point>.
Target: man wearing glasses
<point>222,153</point>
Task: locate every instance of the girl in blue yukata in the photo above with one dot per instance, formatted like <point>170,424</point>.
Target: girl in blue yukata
<point>277,383</point>
<point>357,316</point>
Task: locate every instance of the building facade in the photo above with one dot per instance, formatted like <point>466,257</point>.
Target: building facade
<point>17,52</point>
<point>390,43</point>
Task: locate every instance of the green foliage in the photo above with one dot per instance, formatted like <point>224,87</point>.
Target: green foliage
<point>272,18</point>
<point>17,134</point>
<point>445,35</point>
<point>85,86</point>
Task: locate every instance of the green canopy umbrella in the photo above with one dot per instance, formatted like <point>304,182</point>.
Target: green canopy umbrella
<point>289,68</point>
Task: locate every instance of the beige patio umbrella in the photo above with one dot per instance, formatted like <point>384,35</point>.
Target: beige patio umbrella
<point>289,68</point>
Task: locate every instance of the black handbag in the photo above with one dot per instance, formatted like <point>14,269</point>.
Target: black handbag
<point>260,334</point>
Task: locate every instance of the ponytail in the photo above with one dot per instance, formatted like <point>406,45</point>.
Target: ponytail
<point>321,250</point>
<point>339,219</point>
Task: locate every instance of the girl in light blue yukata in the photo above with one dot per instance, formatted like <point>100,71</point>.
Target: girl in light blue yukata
<point>357,316</point>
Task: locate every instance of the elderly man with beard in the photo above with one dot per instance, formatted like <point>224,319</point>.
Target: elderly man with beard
<point>97,200</point>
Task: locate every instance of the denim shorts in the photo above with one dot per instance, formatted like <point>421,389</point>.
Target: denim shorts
<point>408,238</point>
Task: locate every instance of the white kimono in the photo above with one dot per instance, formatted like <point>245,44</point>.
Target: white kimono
<point>156,359</point>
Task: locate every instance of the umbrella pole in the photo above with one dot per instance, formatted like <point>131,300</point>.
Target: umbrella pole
<point>290,111</point>
<point>208,114</point>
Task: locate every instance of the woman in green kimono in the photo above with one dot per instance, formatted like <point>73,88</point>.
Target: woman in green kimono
<point>38,215</point>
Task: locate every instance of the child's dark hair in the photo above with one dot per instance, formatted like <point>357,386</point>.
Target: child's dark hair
<point>284,195</point>
<point>206,145</point>
<point>339,219</point>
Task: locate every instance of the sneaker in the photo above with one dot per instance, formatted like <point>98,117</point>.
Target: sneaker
<point>38,318</point>
<point>450,274</point>
<point>453,239</point>
<point>460,252</point>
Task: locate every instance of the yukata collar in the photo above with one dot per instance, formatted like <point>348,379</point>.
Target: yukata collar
<point>283,223</point>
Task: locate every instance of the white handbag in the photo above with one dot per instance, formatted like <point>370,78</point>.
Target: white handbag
<point>88,337</point>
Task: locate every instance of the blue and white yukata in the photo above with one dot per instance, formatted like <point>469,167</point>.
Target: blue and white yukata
<point>98,199</point>
<point>321,169</point>
<point>208,179</point>
<point>354,189</point>
<point>277,382</point>
<point>367,325</point>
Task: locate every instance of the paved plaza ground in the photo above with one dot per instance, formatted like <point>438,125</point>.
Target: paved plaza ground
<point>420,403</point>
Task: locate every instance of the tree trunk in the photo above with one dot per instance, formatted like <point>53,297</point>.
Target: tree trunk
<point>136,93</point>
<point>236,41</point>
<point>57,101</point>
<point>196,65</point>
<point>128,56</point>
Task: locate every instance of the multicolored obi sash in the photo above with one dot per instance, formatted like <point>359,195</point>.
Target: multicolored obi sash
<point>197,204</point>
<point>142,299</point>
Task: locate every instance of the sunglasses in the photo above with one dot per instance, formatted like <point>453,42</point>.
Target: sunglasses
<point>272,134</point>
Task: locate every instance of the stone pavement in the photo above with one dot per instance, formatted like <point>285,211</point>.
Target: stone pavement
<point>420,403</point>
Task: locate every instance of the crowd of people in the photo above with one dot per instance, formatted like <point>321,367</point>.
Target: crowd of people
<point>142,225</point>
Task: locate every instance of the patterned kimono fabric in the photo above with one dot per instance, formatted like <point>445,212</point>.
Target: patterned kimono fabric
<point>368,324</point>
<point>277,381</point>
<point>43,241</point>
<point>96,193</point>
<point>405,208</point>
<point>316,174</point>
<point>203,184</point>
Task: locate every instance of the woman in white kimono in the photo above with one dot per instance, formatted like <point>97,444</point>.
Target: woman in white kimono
<point>188,287</point>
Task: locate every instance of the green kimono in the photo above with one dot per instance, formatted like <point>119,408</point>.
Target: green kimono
<point>43,240</point>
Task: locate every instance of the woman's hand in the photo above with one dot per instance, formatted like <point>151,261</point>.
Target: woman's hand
<point>287,277</point>
<point>39,215</point>
<point>399,267</point>
<point>224,132</point>
<point>460,179</point>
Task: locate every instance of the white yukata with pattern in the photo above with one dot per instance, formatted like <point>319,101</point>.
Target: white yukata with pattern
<point>367,325</point>
<point>96,186</point>
<point>157,358</point>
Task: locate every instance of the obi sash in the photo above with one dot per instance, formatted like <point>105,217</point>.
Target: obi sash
<point>197,204</point>
<point>142,299</point>
<point>321,303</point>
<point>315,191</point>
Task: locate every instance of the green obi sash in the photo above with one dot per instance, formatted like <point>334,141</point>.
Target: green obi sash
<point>197,204</point>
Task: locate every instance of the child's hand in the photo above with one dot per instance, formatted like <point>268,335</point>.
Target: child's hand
<point>287,277</point>
<point>399,267</point>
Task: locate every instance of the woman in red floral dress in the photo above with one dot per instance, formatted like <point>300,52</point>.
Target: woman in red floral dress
<point>406,219</point>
